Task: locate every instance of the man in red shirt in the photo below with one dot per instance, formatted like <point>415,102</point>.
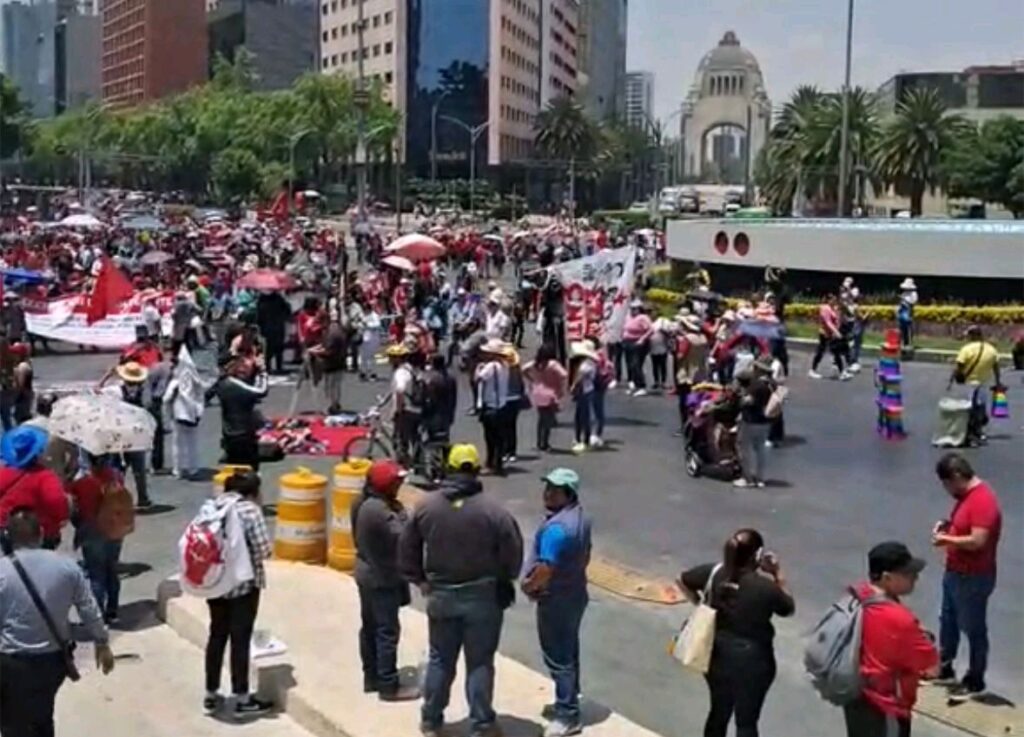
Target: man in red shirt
<point>971,537</point>
<point>894,651</point>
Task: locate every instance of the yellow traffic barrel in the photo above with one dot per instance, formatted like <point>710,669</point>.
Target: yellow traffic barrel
<point>349,478</point>
<point>301,530</point>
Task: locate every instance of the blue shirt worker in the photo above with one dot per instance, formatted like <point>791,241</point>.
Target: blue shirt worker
<point>556,578</point>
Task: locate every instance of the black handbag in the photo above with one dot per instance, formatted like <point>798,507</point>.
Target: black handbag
<point>66,647</point>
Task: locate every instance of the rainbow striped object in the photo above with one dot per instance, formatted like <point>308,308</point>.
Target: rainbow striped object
<point>1000,406</point>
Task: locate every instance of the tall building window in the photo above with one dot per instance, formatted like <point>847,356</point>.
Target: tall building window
<point>324,36</point>
<point>388,46</point>
<point>344,57</point>
<point>334,60</point>
<point>387,18</point>
<point>344,31</point>
<point>388,76</point>
<point>334,32</point>
<point>376,50</point>
<point>324,9</point>
<point>376,21</point>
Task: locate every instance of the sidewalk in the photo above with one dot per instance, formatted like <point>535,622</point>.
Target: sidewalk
<point>315,612</point>
<point>156,690</point>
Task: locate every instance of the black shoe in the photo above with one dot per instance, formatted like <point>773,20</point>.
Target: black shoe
<point>370,685</point>
<point>965,691</point>
<point>212,703</point>
<point>144,504</point>
<point>252,708</point>
<point>400,693</point>
<point>946,677</point>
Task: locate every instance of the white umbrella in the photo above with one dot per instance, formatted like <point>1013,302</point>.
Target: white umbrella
<point>398,262</point>
<point>102,424</point>
<point>82,220</point>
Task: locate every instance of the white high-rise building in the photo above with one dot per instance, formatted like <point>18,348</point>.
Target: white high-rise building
<point>639,99</point>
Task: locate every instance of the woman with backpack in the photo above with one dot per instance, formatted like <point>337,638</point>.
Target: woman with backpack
<point>746,589</point>
<point>104,515</point>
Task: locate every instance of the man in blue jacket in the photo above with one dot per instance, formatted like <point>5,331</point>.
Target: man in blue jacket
<point>556,578</point>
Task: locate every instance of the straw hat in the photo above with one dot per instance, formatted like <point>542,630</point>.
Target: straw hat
<point>132,372</point>
<point>497,347</point>
<point>908,285</point>
<point>582,349</point>
<point>397,350</point>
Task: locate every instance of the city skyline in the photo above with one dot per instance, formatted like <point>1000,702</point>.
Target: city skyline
<point>799,43</point>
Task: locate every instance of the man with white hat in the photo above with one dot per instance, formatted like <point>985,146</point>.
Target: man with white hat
<point>905,311</point>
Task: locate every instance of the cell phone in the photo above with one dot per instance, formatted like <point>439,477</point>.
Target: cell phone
<point>769,559</point>
<point>941,526</point>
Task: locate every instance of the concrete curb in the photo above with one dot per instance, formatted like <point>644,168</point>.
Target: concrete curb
<point>318,682</point>
<point>921,355</point>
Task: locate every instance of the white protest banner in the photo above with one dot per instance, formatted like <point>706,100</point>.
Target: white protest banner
<point>597,290</point>
<point>65,319</point>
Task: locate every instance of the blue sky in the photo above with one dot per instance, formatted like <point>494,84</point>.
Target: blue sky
<point>802,41</point>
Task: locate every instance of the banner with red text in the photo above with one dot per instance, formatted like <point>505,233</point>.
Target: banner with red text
<point>597,292</point>
<point>65,319</point>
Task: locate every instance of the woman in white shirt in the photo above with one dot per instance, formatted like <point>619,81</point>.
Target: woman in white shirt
<point>372,332</point>
<point>492,394</point>
<point>185,398</point>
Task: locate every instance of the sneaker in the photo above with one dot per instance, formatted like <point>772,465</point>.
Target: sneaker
<point>511,459</point>
<point>632,387</point>
<point>741,483</point>
<point>759,484</point>
<point>559,728</point>
<point>845,376</point>
<point>212,702</point>
<point>854,368</point>
<point>946,677</point>
<point>549,711</point>
<point>640,393</point>
<point>965,691</point>
<point>491,730</point>
<point>812,374</point>
<point>401,693</point>
<point>144,504</point>
<point>596,441</point>
<point>430,730</point>
<point>370,685</point>
<point>612,384</point>
<point>769,444</point>
<point>252,707</point>
<point>579,448</point>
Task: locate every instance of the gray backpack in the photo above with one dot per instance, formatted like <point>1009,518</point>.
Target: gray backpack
<point>832,655</point>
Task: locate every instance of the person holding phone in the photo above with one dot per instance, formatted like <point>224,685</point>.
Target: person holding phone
<point>747,589</point>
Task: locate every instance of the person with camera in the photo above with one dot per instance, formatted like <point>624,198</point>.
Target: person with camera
<point>38,587</point>
<point>747,589</point>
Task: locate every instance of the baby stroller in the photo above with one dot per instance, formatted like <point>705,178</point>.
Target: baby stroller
<point>709,437</point>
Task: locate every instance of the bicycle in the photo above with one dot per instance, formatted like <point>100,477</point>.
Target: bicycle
<point>378,442</point>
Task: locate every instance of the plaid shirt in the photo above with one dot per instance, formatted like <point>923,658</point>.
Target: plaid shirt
<point>257,540</point>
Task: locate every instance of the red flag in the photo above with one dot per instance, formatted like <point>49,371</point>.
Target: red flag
<point>280,207</point>
<point>111,289</point>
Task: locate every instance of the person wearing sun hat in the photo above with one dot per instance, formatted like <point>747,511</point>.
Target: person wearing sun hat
<point>26,483</point>
<point>133,377</point>
<point>555,576</point>
<point>583,384</point>
<point>905,312</point>
<point>492,380</point>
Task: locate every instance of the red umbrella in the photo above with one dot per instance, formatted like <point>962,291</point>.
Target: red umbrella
<point>416,247</point>
<point>267,280</point>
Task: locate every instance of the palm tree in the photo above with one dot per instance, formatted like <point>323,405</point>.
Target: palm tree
<point>909,152</point>
<point>778,171</point>
<point>565,133</point>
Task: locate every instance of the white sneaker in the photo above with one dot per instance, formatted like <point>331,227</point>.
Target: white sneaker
<point>813,374</point>
<point>558,728</point>
<point>579,448</point>
<point>596,441</point>
<point>640,393</point>
<point>612,384</point>
<point>741,483</point>
<point>511,459</point>
<point>632,387</point>
<point>855,368</point>
<point>845,376</point>
<point>769,444</point>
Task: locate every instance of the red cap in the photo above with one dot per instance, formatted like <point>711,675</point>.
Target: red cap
<point>384,474</point>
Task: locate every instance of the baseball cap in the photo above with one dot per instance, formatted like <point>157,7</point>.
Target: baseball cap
<point>565,478</point>
<point>893,557</point>
<point>464,454</point>
<point>383,474</point>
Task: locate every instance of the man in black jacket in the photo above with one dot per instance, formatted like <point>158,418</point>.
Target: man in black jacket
<point>464,550</point>
<point>440,401</point>
<point>242,387</point>
<point>377,520</point>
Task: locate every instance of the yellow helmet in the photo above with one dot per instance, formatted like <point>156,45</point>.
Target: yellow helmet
<point>464,454</point>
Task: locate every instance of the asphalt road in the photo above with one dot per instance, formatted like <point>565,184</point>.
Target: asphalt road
<point>837,490</point>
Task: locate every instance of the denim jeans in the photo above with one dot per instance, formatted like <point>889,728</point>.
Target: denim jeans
<point>558,627</point>
<point>964,609</point>
<point>597,398</point>
<point>752,438</point>
<point>100,557</point>
<point>136,461</point>
<point>378,636</point>
<point>547,417</point>
<point>584,403</point>
<point>469,621</point>
<point>740,675</point>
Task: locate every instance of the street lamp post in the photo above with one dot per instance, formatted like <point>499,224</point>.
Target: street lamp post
<point>844,135</point>
<point>433,135</point>
<point>362,100</point>
<point>474,134</point>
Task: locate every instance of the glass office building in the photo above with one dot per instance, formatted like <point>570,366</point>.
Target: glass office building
<point>447,72</point>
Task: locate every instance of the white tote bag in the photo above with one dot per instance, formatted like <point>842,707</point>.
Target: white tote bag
<point>696,639</point>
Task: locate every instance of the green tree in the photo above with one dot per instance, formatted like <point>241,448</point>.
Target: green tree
<point>910,150</point>
<point>237,174</point>
<point>988,163</point>
<point>564,132</point>
<point>13,118</point>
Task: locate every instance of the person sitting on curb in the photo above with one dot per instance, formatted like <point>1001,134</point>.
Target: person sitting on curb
<point>377,520</point>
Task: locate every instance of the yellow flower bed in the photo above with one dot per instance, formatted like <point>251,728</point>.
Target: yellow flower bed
<point>947,314</point>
